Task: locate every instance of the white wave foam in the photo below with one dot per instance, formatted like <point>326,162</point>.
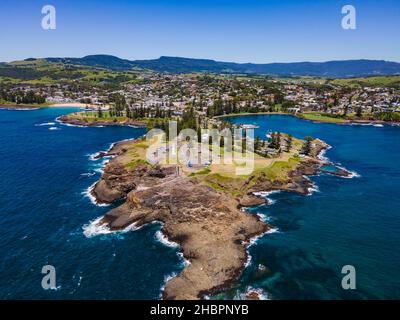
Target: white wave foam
<point>164,240</point>
<point>166,279</point>
<point>272,230</point>
<point>370,124</point>
<point>322,155</point>
<point>75,125</point>
<point>95,228</point>
<point>352,174</point>
<point>54,128</point>
<point>79,281</point>
<point>93,156</point>
<point>185,262</point>
<point>65,124</point>
<point>313,190</point>
<point>248,261</point>
<point>265,194</point>
<point>98,155</point>
<point>88,174</point>
<point>69,125</point>
<point>45,124</point>
<point>99,170</point>
<point>100,166</point>
<point>21,109</point>
<point>88,193</point>
<point>253,241</point>
<point>56,288</point>
<point>263,217</point>
<point>261,294</point>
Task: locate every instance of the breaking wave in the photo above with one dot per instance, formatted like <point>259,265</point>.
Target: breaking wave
<point>88,193</point>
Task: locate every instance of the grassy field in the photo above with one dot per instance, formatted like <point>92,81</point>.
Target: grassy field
<point>220,176</point>
<point>321,118</point>
<point>224,176</point>
<point>40,71</point>
<point>237,185</point>
<point>92,116</point>
<point>135,154</point>
<point>383,81</point>
<point>9,104</point>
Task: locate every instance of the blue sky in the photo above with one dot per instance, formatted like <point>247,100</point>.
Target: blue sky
<point>240,31</point>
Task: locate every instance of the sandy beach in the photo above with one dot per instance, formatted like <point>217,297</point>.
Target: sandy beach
<point>72,104</point>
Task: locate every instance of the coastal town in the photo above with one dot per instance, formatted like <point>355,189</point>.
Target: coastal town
<point>201,200</point>
<point>213,95</point>
<point>208,158</point>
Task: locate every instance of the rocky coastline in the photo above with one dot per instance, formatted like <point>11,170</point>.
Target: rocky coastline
<point>20,107</point>
<point>212,231</point>
<point>81,122</point>
<point>207,224</point>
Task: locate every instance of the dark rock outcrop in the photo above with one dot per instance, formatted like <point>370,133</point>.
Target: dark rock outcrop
<point>250,200</point>
<point>212,232</point>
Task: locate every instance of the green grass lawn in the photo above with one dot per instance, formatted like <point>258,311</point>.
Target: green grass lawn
<point>321,117</point>
<point>92,116</point>
<point>279,170</point>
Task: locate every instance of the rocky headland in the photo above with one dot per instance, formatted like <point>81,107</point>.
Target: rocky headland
<point>99,122</point>
<point>205,221</point>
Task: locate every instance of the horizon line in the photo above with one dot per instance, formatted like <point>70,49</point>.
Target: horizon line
<point>208,59</point>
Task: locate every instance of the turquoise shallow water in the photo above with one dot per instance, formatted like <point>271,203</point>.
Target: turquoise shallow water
<point>46,168</point>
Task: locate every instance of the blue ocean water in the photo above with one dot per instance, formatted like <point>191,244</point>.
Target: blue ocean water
<point>44,171</point>
<point>46,168</point>
<point>346,222</point>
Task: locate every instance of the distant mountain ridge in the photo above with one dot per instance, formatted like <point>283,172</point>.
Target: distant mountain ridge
<point>333,69</point>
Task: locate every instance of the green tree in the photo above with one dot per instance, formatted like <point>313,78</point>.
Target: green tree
<point>257,144</point>
<point>359,112</point>
<point>289,143</point>
<point>306,149</point>
<point>275,141</point>
<point>345,110</point>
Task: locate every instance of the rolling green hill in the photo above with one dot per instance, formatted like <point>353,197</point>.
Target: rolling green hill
<point>110,70</point>
<point>42,71</point>
<point>329,69</point>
